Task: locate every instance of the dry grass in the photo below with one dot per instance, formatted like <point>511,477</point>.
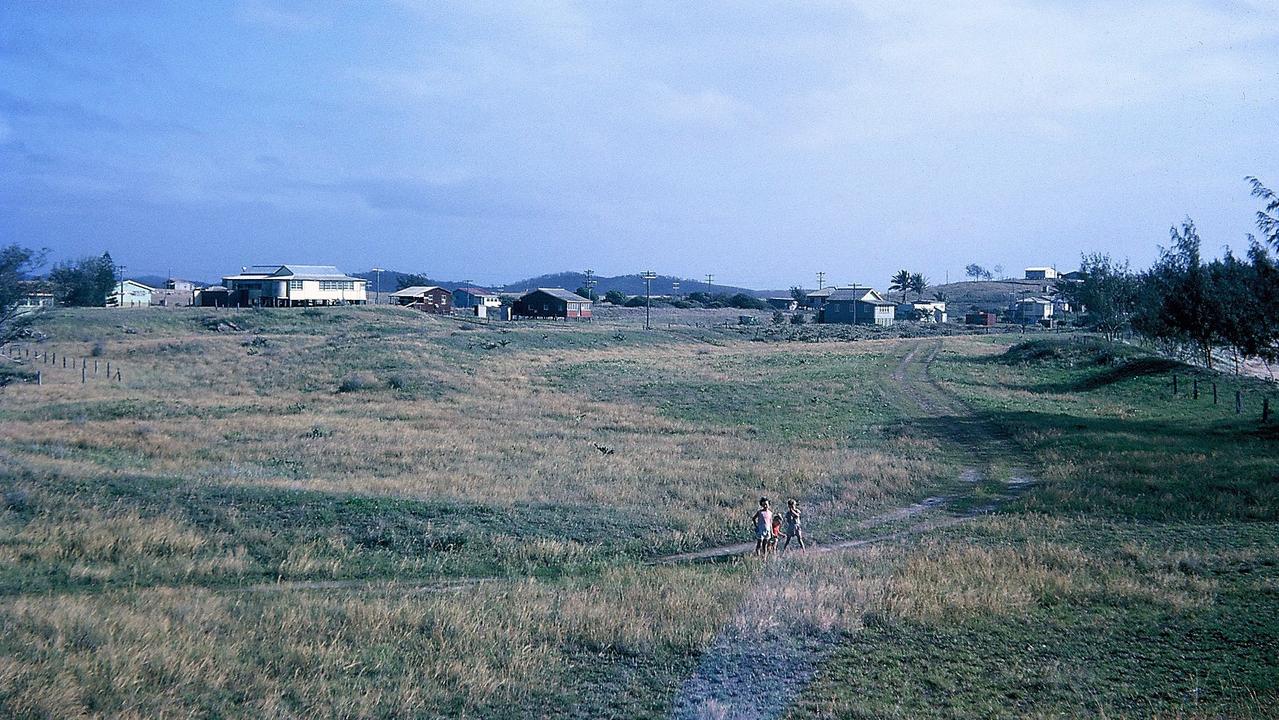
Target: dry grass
<point>486,650</point>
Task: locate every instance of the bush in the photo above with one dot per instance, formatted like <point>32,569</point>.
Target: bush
<point>356,382</point>
<point>635,301</point>
<point>779,317</point>
<point>742,301</point>
<point>99,349</point>
<point>399,381</point>
<point>616,297</point>
<point>797,319</point>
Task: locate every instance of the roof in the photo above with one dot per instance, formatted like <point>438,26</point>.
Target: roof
<point>863,294</point>
<point>1036,300</point>
<point>824,292</point>
<point>122,283</point>
<point>475,291</point>
<point>295,272</point>
<point>415,290</point>
<point>559,293</point>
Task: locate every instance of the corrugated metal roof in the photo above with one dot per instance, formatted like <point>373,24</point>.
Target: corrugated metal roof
<point>313,272</point>
<point>864,294</point>
<point>475,291</point>
<point>415,290</point>
<point>560,293</point>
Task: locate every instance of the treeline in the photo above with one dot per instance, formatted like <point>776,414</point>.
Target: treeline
<point>1186,304</point>
<point>741,301</point>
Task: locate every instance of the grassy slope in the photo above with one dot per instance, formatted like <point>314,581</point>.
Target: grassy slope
<point>1139,578</point>
<point>228,456</point>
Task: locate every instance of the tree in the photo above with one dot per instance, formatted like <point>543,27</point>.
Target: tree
<point>1106,293</point>
<point>588,293</point>
<point>411,280</point>
<point>743,301</point>
<point>999,271</point>
<point>975,271</point>
<point>85,282</point>
<point>1176,299</point>
<point>616,297</point>
<point>918,284</point>
<point>798,294</point>
<point>16,263</point>
<point>1267,219</point>
<point>900,281</point>
<point>940,296</point>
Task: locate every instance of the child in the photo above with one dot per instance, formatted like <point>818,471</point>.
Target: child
<point>793,529</point>
<point>763,522</point>
<point>777,532</point>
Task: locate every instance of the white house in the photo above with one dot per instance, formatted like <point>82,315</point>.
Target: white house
<point>294,285</point>
<point>933,312</point>
<point>130,293</point>
<point>1041,273</point>
<point>1032,310</point>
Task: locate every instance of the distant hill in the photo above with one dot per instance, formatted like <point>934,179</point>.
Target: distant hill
<point>628,284</point>
<point>158,282</point>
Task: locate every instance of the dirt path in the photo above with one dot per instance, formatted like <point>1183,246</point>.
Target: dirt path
<point>738,676</point>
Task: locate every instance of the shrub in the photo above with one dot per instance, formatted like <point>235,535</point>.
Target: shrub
<point>797,319</point>
<point>779,317</point>
<point>616,297</point>
<point>399,381</point>
<point>99,349</point>
<point>742,301</point>
<point>356,382</point>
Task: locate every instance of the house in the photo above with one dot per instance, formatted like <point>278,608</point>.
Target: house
<point>474,297</point>
<point>175,293</point>
<point>130,293</point>
<point>431,299</point>
<point>1072,276</point>
<point>932,312</point>
<point>33,296</point>
<point>857,306</point>
<point>551,303</point>
<point>985,319</point>
<point>783,303</point>
<point>293,286</point>
<point>817,298</point>
<point>1041,273</point>
<point>1031,310</point>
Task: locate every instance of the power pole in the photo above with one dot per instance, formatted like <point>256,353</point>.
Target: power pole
<point>709,278</point>
<point>377,291</point>
<point>675,289</point>
<point>821,279</point>
<point>648,276</point>
<point>590,284</point>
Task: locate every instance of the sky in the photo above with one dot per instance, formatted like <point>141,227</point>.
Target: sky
<point>759,142</point>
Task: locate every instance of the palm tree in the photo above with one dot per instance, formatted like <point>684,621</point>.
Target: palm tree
<point>940,296</point>
<point>918,284</point>
<point>900,281</point>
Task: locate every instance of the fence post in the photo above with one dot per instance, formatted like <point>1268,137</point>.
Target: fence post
<point>108,369</point>
<point>1214,393</point>
<point>64,362</point>
<point>1238,402</point>
<point>84,375</point>
<point>39,378</point>
<point>117,375</point>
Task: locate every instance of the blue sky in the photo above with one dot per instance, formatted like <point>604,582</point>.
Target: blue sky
<point>760,142</point>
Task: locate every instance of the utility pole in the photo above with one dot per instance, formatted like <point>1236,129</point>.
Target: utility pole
<point>590,284</point>
<point>821,279</point>
<point>675,289</point>
<point>709,278</point>
<point>119,286</point>
<point>377,291</point>
<point>648,276</point>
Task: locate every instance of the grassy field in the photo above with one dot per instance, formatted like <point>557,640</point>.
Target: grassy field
<point>369,512</point>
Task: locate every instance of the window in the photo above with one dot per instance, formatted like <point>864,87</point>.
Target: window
<point>337,284</point>
<point>296,284</point>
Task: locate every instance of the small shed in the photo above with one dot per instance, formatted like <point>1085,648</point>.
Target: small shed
<point>783,303</point>
<point>213,296</point>
<point>427,298</point>
<point>551,303</point>
<point>985,319</point>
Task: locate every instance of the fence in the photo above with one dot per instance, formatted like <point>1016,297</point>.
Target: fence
<point>43,360</point>
<point>1193,389</point>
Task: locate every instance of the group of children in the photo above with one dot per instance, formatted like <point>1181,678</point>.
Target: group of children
<point>768,527</point>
